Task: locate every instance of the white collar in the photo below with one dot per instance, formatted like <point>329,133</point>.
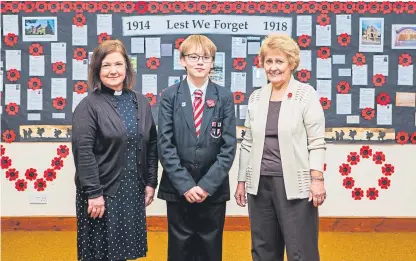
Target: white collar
<point>192,87</point>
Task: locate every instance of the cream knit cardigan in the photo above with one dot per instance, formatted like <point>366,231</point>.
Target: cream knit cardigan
<point>301,130</point>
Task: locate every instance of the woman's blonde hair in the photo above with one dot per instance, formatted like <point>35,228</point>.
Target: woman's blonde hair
<point>283,43</point>
<point>100,52</point>
<point>198,41</point>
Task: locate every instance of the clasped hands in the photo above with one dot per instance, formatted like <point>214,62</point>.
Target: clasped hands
<point>196,194</point>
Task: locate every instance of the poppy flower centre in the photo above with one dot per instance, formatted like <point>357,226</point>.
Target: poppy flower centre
<point>21,184</point>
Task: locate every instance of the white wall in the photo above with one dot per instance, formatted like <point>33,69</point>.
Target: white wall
<point>398,200</point>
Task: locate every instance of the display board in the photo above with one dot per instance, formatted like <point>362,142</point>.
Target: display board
<point>359,56</point>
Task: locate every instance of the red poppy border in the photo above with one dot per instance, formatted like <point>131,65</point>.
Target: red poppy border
<point>238,7</point>
<point>350,183</point>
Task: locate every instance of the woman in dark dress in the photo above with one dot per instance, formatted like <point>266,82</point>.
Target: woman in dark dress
<point>114,143</point>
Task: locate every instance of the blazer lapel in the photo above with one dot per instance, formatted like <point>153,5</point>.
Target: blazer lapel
<point>211,94</point>
<point>185,102</point>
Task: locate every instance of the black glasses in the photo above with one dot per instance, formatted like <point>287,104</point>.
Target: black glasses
<point>195,58</point>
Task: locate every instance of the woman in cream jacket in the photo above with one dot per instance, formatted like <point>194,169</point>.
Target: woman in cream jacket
<point>282,159</point>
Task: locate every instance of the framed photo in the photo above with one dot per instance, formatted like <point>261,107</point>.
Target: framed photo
<point>39,29</point>
<point>403,36</point>
<point>371,34</point>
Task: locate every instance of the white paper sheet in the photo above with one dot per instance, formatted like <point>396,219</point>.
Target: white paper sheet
<point>323,35</point>
<point>137,45</point>
<point>12,93</point>
<point>343,23</point>
<point>238,82</point>
<point>13,59</point>
<point>149,83</point>
<point>324,88</point>
<point>10,24</point>
<point>353,119</point>
<point>381,65</point>
<point>324,68</point>
<point>259,77</point>
<point>104,24</point>
<point>177,61</point>
<point>36,65</point>
<point>305,60</point>
<point>243,112</point>
<point>58,87</point>
<point>33,117</point>
<point>166,49</point>
<point>343,104</point>
<point>173,80</point>
<point>76,99</point>
<point>367,97</point>
<point>359,74</point>
<point>58,52</point>
<point>384,114</point>
<point>405,75</point>
<point>79,35</point>
<point>153,47</point>
<point>34,100</point>
<point>338,59</point>
<point>304,25</point>
<point>239,47</point>
<point>253,47</point>
<point>345,72</point>
<point>80,70</point>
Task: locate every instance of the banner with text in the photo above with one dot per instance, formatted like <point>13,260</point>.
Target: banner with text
<point>197,24</point>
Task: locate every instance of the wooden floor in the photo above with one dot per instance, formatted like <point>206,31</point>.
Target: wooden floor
<point>334,246</point>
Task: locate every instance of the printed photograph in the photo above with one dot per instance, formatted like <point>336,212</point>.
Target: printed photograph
<point>403,36</point>
<point>36,133</point>
<point>346,134</point>
<point>40,29</point>
<point>371,34</point>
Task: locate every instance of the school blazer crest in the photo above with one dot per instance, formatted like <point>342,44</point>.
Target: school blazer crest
<point>301,131</point>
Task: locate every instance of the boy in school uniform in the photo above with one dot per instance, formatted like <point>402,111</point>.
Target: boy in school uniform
<point>197,144</point>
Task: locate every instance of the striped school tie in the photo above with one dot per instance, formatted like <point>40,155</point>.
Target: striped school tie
<point>198,110</point>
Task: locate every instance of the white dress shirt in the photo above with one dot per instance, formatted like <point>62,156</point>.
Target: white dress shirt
<point>192,89</point>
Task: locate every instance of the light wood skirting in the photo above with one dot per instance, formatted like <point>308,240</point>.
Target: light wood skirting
<point>232,223</point>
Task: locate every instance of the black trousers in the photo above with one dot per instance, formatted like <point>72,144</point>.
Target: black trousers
<point>195,231</point>
<point>277,223</point>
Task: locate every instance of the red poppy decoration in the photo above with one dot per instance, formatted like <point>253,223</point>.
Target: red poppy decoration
<point>103,37</point>
<point>402,137</point>
<point>239,64</point>
<point>379,80</point>
<point>3,7</point>
<point>251,7</point>
<point>324,7</point>
<point>326,104</point>
<point>384,183</point>
<point>361,7</point>
<point>357,194</point>
<point>379,157</point>
<point>91,7</point>
<point>31,174</point>
<point>286,7</point>
<point>304,40</point>
<point>54,7</point>
<point>274,7</point>
<point>164,7</point>
<point>345,169</point>
<point>323,20</point>
<point>405,59</point>
<point>177,7</point>
<point>178,42</point>
<point>373,7</point>
<point>13,75</point>
<point>289,95</point>
<point>12,174</point>
<point>129,7</point>
<point>256,61</point>
<point>386,7</point>
<point>413,138</point>
<point>104,7</point>
<point>304,75</point>
<point>6,162</point>
<point>372,193</point>
<point>116,7</point>
<point>79,20</point>
<point>263,7</point>
<point>411,7</point>
<point>66,6</point>
<point>59,103</point>
<point>14,6</point>
<point>238,97</point>
<point>215,7</point>
<point>57,163</point>
<point>59,67</point>
<point>153,63</point>
<point>344,39</point>
<point>80,87</point>
<point>3,150</point>
<point>12,109</point>
<point>36,49</point>
<point>337,7</point>
<point>366,152</point>
<point>348,182</point>
<point>368,113</point>
<point>151,98</point>
<point>190,6</point>
<point>324,166</point>
<point>40,184</point>
<point>62,151</point>
<point>398,7</point>
<point>153,7</point>
<point>359,59</point>
<point>20,185</point>
<point>79,6</point>
<point>239,7</point>
<point>11,39</point>
<point>80,54</point>
<point>324,52</point>
<point>300,7</point>
<point>387,169</point>
<point>353,158</point>
<point>349,7</point>
<point>202,7</point>
<point>383,99</point>
<point>9,136</point>
<point>49,174</point>
<point>227,7</point>
<point>343,87</point>
<point>34,83</point>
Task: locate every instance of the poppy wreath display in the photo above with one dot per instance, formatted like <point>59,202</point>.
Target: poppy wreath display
<point>22,181</point>
<point>354,159</point>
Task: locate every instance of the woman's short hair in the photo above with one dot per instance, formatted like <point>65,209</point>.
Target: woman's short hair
<point>100,52</point>
<point>283,43</point>
<point>198,41</point>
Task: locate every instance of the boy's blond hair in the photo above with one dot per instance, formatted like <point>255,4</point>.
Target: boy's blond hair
<point>198,41</point>
<point>283,43</point>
